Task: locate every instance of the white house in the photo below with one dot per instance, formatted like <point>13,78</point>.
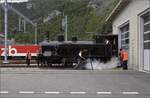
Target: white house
<point>131,21</point>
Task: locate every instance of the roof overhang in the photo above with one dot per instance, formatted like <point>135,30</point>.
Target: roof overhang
<point>119,7</point>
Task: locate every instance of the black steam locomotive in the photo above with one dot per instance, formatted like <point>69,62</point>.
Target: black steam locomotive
<point>74,53</point>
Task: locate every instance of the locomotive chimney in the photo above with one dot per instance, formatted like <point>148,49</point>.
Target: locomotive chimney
<point>74,39</point>
<point>99,39</point>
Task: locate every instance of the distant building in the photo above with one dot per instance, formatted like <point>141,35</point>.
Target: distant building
<point>131,21</point>
<point>1,38</point>
<point>52,15</point>
<point>9,41</point>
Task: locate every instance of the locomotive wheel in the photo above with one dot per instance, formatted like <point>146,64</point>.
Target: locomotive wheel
<point>49,64</point>
<point>81,64</point>
<point>41,64</point>
<point>64,62</point>
<point>78,64</point>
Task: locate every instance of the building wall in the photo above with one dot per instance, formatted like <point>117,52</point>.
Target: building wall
<point>130,14</point>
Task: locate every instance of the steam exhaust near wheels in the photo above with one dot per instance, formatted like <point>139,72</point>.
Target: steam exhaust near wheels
<point>98,65</point>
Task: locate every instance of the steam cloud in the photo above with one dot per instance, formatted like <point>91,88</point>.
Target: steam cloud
<point>97,65</point>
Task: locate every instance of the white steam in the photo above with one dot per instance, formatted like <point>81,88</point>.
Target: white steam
<point>97,65</point>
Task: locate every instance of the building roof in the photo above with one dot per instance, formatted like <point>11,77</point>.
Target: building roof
<point>119,7</point>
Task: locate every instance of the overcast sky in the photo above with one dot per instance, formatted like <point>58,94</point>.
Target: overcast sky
<point>14,0</point>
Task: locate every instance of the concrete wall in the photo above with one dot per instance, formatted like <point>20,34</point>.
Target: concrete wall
<point>130,14</point>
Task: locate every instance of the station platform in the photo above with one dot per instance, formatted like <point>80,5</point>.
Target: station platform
<point>17,63</point>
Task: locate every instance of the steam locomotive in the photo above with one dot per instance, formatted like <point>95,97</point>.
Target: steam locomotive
<point>74,53</point>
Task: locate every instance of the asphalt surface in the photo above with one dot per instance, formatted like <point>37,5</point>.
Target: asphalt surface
<point>47,83</point>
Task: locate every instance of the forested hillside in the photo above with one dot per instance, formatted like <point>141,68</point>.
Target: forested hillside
<point>85,17</point>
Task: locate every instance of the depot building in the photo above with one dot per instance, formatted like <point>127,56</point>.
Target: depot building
<point>131,21</point>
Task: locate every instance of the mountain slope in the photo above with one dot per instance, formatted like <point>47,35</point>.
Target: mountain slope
<point>84,16</point>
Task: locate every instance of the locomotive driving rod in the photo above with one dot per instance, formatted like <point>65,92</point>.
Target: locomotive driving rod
<point>91,64</point>
<point>91,61</point>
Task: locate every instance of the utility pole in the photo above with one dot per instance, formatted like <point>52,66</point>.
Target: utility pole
<point>36,40</point>
<point>19,23</point>
<point>24,26</point>
<point>6,31</point>
<point>66,29</point>
<point>1,22</point>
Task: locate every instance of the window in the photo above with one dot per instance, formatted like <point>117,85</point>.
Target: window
<point>147,27</point>
<point>147,45</point>
<point>146,36</point>
<point>125,37</point>
<point>146,18</point>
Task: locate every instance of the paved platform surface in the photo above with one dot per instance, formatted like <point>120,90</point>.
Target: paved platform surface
<point>17,65</point>
<point>47,83</point>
